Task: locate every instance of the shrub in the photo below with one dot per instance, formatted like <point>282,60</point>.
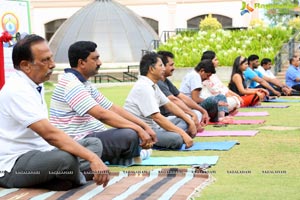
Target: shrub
<point>263,41</point>
<point>294,23</point>
<point>209,23</point>
<point>257,23</point>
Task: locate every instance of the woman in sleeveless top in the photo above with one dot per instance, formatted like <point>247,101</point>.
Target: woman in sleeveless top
<point>237,84</point>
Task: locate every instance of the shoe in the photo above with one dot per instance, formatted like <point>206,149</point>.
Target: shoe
<point>145,154</point>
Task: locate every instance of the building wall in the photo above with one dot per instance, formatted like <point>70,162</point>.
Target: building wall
<point>170,14</point>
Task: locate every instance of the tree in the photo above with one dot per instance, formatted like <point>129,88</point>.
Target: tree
<point>280,11</point>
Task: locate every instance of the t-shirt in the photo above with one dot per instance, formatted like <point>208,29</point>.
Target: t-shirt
<point>21,105</point>
<point>267,73</point>
<point>190,82</point>
<point>168,89</point>
<point>144,99</point>
<point>72,98</point>
<point>249,74</point>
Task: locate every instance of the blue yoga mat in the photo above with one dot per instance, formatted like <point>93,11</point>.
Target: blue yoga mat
<point>187,160</point>
<point>220,146</point>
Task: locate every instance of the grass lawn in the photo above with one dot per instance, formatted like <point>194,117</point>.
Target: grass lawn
<point>261,167</point>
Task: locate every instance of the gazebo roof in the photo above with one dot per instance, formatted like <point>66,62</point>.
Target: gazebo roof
<point>120,34</point>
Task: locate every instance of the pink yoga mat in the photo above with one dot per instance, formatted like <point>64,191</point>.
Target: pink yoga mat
<point>226,133</point>
<point>251,114</point>
<point>242,121</point>
<point>268,106</point>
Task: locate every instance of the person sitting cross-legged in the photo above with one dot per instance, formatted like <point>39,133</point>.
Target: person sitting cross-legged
<point>250,96</point>
<point>34,153</point>
<point>214,86</point>
<point>255,79</point>
<point>292,75</point>
<point>78,108</point>
<point>191,108</point>
<point>191,85</point>
<point>144,101</point>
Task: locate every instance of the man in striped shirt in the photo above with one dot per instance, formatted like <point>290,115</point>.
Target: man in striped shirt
<point>78,108</point>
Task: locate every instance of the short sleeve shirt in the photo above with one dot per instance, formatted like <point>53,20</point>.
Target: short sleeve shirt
<point>267,73</point>
<point>249,74</point>
<point>72,98</point>
<point>190,82</point>
<point>144,99</point>
<point>20,106</point>
<point>291,74</point>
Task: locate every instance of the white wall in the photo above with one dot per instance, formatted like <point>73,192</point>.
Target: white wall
<point>41,16</point>
<point>170,15</point>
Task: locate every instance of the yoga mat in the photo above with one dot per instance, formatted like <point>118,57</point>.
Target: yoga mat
<point>282,100</point>
<point>158,184</point>
<point>269,106</point>
<point>251,114</point>
<point>226,133</point>
<point>242,122</point>
<point>220,146</point>
<point>187,160</point>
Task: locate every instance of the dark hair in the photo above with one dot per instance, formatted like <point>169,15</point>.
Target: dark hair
<point>206,65</point>
<point>292,58</point>
<point>22,49</point>
<point>252,58</point>
<point>80,50</point>
<point>208,55</point>
<point>265,61</point>
<point>164,56</point>
<point>147,61</point>
<point>236,67</point>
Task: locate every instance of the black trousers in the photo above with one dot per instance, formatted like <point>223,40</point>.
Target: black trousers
<point>119,145</point>
<point>35,167</point>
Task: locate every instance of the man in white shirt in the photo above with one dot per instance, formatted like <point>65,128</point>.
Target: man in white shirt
<point>34,153</point>
<point>265,70</point>
<point>144,101</point>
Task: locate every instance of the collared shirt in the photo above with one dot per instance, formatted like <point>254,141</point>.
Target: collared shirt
<point>72,98</point>
<point>144,99</point>
<point>291,74</point>
<point>20,106</point>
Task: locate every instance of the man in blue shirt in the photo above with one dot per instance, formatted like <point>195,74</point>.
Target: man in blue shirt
<point>292,76</point>
<point>256,79</point>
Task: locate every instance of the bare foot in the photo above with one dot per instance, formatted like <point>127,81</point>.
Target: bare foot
<point>226,120</point>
